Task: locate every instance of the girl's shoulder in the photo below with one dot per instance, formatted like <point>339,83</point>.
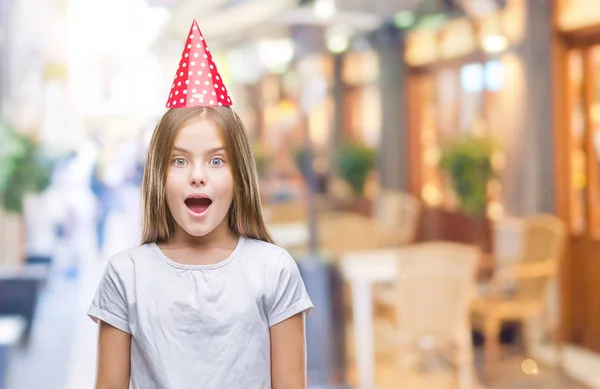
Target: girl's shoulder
<point>263,250</point>
<point>269,256</point>
<point>125,261</point>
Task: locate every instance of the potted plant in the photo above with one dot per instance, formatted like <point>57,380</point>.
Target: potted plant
<point>354,163</point>
<point>467,162</point>
<point>24,170</point>
<point>300,155</point>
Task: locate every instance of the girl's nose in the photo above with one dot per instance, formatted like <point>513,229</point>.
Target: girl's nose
<point>197,176</point>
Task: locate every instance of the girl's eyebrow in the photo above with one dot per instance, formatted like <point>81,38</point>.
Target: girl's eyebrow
<point>181,150</point>
<point>214,150</point>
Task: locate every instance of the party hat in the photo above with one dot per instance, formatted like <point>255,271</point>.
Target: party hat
<point>197,81</point>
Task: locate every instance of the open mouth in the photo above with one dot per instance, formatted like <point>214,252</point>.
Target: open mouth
<point>198,205</point>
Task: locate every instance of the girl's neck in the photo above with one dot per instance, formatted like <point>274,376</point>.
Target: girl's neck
<point>209,249</point>
<point>221,236</point>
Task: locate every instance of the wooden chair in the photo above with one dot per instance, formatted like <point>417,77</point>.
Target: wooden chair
<point>395,223</point>
<point>530,278</point>
<point>397,214</point>
<point>431,298</point>
<point>285,212</point>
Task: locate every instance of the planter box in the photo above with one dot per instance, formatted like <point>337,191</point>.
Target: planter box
<point>19,293</point>
<point>12,240</point>
<point>443,224</point>
<point>360,205</point>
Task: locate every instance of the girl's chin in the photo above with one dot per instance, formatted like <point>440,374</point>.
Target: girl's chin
<point>199,227</point>
<point>198,231</point>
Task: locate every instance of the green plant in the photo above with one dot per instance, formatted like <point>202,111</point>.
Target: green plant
<point>468,163</point>
<point>24,168</point>
<point>355,162</point>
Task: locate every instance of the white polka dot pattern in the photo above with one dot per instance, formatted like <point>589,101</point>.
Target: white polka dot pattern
<point>190,71</point>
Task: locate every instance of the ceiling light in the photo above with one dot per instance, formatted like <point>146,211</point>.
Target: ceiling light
<point>338,44</point>
<point>276,54</point>
<point>337,38</point>
<point>324,9</point>
<point>495,43</point>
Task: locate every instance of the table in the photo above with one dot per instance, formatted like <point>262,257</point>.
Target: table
<point>290,235</point>
<point>361,270</point>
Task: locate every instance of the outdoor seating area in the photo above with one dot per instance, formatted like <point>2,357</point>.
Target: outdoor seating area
<point>424,299</point>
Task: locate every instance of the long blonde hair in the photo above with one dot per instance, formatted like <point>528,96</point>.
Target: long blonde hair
<point>245,216</point>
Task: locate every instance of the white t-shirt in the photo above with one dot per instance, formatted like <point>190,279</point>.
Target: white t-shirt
<point>200,326</point>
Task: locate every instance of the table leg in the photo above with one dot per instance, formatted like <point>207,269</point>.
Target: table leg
<point>362,305</point>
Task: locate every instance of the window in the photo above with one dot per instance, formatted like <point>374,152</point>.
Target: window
<point>578,160</point>
<point>584,135</point>
<point>448,103</point>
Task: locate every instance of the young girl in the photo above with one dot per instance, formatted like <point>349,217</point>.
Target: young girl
<point>207,301</point>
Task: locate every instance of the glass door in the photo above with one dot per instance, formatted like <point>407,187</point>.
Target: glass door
<point>447,103</point>
<point>593,136</point>
<point>584,132</point>
<point>577,135</point>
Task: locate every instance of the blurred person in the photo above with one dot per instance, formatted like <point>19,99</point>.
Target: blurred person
<point>207,300</point>
<point>102,192</point>
<point>100,189</point>
<point>123,224</point>
<point>74,208</point>
<point>81,205</point>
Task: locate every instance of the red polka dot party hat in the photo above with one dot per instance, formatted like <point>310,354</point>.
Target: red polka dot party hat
<point>197,81</point>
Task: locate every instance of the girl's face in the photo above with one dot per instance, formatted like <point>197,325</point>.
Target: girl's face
<point>199,182</point>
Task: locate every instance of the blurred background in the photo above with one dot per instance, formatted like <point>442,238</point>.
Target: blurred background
<point>433,165</point>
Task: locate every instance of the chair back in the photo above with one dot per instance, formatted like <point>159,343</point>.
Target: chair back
<point>544,238</point>
<point>398,213</point>
<point>433,291</point>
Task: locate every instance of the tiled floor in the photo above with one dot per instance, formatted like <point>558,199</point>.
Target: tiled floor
<point>510,377</point>
<point>44,363</point>
<point>510,373</point>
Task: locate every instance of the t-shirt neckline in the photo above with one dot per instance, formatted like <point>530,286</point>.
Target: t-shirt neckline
<point>222,263</point>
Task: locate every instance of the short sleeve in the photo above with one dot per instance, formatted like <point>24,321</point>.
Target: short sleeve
<point>110,301</point>
<point>288,293</point>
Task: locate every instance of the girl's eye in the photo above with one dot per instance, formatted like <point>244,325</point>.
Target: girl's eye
<point>216,162</point>
<point>179,162</point>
